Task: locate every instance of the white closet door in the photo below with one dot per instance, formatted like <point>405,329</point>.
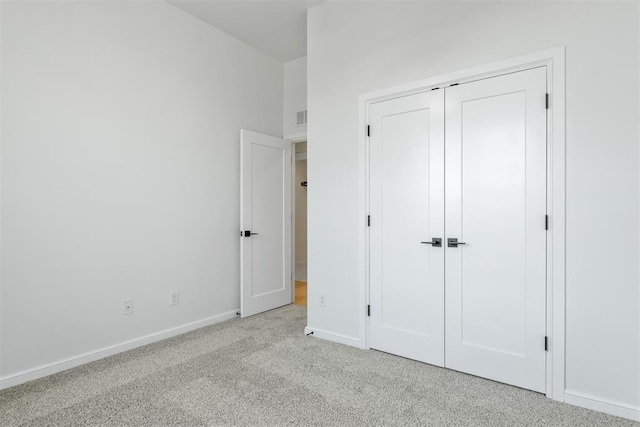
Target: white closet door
<point>407,208</point>
<point>496,205</point>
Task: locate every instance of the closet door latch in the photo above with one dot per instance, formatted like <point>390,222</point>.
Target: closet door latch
<point>436,242</point>
<point>452,242</point>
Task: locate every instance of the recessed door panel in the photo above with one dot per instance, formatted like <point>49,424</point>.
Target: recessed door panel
<point>268,164</point>
<point>493,189</point>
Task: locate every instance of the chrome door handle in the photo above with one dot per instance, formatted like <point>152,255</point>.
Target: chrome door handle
<point>435,242</point>
<point>452,242</point>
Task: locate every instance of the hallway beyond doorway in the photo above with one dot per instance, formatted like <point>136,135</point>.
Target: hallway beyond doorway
<point>301,293</point>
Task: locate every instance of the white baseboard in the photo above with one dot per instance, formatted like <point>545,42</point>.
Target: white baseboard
<point>81,359</point>
<point>330,336</point>
<point>600,405</point>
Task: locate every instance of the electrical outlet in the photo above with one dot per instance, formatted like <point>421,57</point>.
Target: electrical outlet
<point>174,298</point>
<point>322,301</point>
<point>127,307</point>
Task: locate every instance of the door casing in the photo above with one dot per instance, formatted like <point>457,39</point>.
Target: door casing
<point>554,61</point>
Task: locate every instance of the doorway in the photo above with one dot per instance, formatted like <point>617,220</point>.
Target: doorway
<point>457,230</point>
<point>300,221</point>
<point>273,249</point>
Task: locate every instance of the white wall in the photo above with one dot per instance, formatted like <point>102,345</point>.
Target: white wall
<point>416,40</point>
<point>295,94</point>
<point>120,172</point>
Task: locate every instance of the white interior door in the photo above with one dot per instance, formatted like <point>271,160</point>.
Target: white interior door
<point>265,221</point>
<point>496,206</point>
<point>406,155</point>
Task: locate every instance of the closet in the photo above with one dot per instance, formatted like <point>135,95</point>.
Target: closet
<point>457,239</point>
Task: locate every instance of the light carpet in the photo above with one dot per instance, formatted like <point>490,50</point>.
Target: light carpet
<point>263,371</point>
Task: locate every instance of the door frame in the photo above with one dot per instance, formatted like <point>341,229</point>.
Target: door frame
<point>554,61</point>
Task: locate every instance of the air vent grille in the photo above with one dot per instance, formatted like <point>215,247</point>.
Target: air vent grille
<point>301,118</point>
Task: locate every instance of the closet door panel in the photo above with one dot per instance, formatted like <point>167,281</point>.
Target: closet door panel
<point>496,206</point>
<point>407,209</point>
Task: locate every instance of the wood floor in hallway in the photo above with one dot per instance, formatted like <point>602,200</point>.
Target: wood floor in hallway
<point>301,293</point>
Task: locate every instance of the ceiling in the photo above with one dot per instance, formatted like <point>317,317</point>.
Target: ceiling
<point>275,27</point>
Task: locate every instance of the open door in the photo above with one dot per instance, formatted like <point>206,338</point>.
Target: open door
<point>265,221</point>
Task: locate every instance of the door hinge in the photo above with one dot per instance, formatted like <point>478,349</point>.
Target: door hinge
<point>368,130</point>
<point>369,310</point>
<point>546,343</point>
<point>546,222</point>
<point>546,101</point>
<point>368,220</point>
